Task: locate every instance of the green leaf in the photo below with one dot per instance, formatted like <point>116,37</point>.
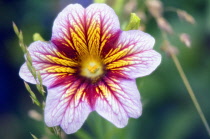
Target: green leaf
<point>134,22</point>
<point>34,137</point>
<point>37,37</point>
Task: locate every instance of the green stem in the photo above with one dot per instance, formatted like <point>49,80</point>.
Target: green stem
<point>190,91</point>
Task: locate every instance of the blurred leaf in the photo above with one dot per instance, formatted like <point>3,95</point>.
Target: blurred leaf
<point>178,124</point>
<point>97,121</point>
<point>83,135</point>
<point>134,22</point>
<point>34,137</point>
<point>118,6</point>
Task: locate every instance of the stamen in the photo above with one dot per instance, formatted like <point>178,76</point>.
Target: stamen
<point>93,69</point>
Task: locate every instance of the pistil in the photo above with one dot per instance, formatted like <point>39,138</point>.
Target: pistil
<point>91,70</point>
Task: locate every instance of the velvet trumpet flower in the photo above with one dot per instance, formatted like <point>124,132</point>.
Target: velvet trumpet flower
<point>90,64</point>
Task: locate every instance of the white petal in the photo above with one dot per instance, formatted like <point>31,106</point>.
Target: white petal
<point>67,106</point>
<point>120,100</point>
<point>133,56</point>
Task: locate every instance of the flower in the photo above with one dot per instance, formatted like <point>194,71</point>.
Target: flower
<point>91,65</point>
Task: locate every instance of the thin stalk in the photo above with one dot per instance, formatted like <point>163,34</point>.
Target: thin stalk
<point>190,91</point>
<point>188,86</point>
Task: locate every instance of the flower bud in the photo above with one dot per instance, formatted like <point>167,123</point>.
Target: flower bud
<point>35,115</point>
<point>130,6</point>
<point>164,25</point>
<point>155,8</point>
<point>185,38</point>
<point>141,14</point>
<point>185,16</point>
<point>169,49</point>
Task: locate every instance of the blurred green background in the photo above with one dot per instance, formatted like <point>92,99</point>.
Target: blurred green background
<point>168,112</point>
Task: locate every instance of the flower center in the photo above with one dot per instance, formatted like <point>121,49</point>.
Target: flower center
<point>91,69</point>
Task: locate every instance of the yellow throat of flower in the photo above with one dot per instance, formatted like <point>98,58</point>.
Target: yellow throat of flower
<point>91,69</point>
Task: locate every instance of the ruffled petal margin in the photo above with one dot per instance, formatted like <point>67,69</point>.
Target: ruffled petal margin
<point>85,31</point>
<point>119,100</point>
<point>133,55</point>
<point>67,105</point>
<point>53,65</point>
<point>78,33</point>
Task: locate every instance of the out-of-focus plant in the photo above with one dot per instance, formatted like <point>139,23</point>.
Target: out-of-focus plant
<point>149,8</point>
<point>37,77</point>
<point>156,9</point>
<point>111,93</point>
